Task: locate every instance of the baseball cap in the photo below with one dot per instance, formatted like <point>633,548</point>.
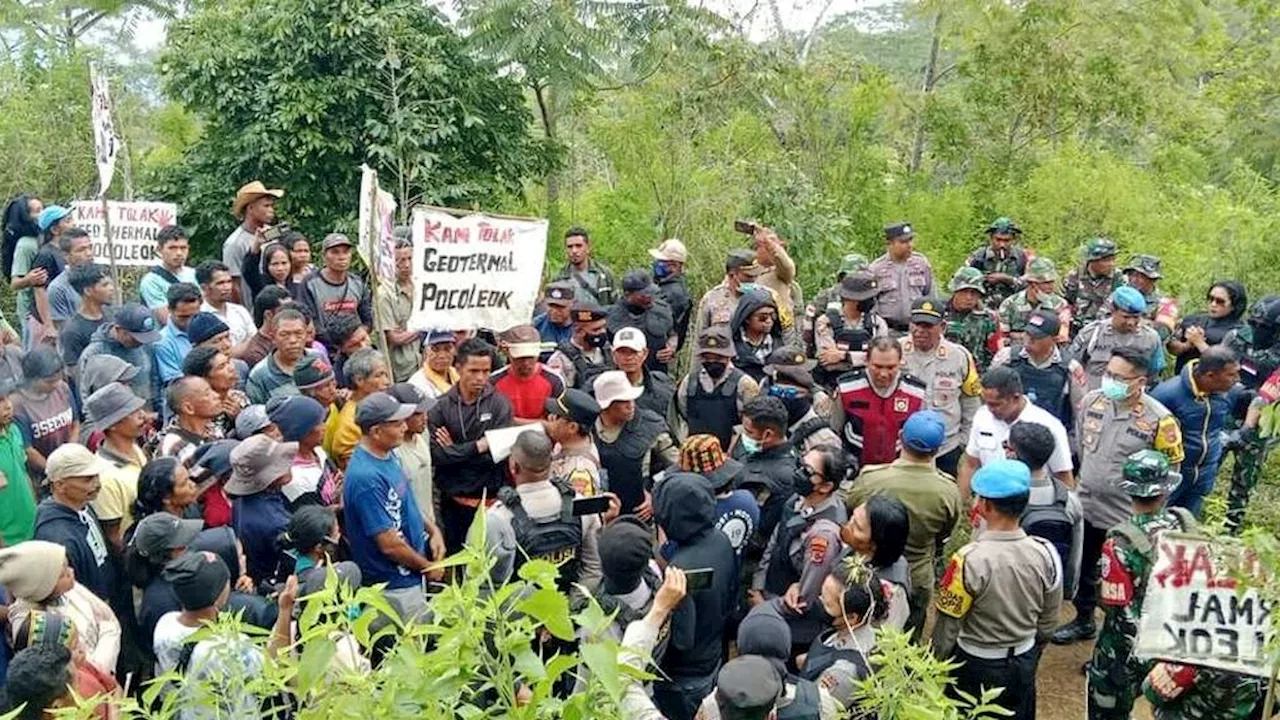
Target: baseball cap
<point>1002,479</point>
<point>522,341</point>
<point>585,311</point>
<point>892,231</point>
<point>205,325</point>
<point>559,293</point>
<point>312,371</point>
<point>41,362</point>
<point>744,260</point>
<point>1129,300</point>
<point>629,337</point>
<point>635,281</point>
<point>435,337</point>
<point>71,460</point>
<point>612,386</point>
<point>381,408</point>
<point>160,532</point>
<point>409,394</point>
<point>926,311</point>
<point>137,321</point>
<point>1043,324</point>
<point>51,215</point>
<point>110,404</point>
<point>296,416</point>
<point>703,454</point>
<point>748,686</point>
<point>715,340</point>
<point>924,431</point>
<point>860,285</point>
<point>575,405</point>
<point>258,462</point>
<point>252,420</point>
<point>333,240</point>
<point>671,249</point>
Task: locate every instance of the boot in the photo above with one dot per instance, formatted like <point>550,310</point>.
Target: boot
<point>1082,628</point>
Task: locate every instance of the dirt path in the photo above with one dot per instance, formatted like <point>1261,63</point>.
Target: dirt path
<point>1060,687</point>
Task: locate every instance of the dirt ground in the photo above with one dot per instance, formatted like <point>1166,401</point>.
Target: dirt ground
<point>1060,684</point>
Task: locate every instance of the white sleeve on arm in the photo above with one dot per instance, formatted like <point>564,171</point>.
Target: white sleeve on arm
<point>637,645</point>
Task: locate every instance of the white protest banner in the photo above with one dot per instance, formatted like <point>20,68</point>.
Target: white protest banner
<point>476,270</point>
<point>133,229</point>
<point>106,143</point>
<point>384,221</point>
<point>1194,612</point>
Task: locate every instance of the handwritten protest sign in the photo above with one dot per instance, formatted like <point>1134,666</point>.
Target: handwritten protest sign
<point>377,218</point>
<point>1194,613</point>
<point>133,229</point>
<point>477,271</point>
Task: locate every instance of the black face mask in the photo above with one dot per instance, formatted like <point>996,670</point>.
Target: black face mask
<point>598,340</point>
<point>802,481</point>
<point>716,369</point>
<point>797,407</point>
<point>866,305</point>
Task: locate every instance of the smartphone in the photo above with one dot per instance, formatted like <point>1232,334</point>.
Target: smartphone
<point>746,227</point>
<point>698,579</point>
<point>590,505</point>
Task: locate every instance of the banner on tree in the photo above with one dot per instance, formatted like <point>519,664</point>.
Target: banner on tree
<point>1196,611</point>
<point>133,229</point>
<point>475,271</point>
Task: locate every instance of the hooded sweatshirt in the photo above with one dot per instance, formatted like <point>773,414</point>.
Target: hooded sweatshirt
<point>87,550</point>
<point>461,470</point>
<point>751,358</point>
<point>686,511</point>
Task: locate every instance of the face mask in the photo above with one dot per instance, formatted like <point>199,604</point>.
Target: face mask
<point>715,369</point>
<point>1114,389</point>
<point>866,305</point>
<point>745,288</point>
<point>598,340</point>
<point>750,444</point>
<point>802,481</point>
<point>783,392</point>
<point>660,270</point>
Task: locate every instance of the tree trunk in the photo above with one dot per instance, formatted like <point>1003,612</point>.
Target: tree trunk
<point>930,77</point>
<point>547,113</point>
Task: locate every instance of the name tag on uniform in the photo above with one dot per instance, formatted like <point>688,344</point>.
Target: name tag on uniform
<point>486,417</point>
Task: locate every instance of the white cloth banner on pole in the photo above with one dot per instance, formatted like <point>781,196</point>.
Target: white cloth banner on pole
<point>133,229</point>
<point>386,213</point>
<point>106,143</point>
<point>475,271</point>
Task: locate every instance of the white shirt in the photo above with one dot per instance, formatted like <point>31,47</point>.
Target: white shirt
<point>239,319</point>
<point>986,440</point>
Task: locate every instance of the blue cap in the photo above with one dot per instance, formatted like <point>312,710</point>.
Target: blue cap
<point>924,431</point>
<point>51,215</point>
<point>1129,300</point>
<point>438,336</point>
<point>205,325</point>
<point>1002,479</point>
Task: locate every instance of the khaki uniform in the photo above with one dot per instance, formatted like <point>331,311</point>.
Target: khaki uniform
<point>1108,434</point>
<point>1093,345</point>
<point>580,466</point>
<point>951,385</point>
<point>715,308</point>
<point>900,284</point>
<point>560,364</point>
<point>781,279</point>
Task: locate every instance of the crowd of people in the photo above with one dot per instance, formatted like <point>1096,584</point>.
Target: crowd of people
<point>224,439</point>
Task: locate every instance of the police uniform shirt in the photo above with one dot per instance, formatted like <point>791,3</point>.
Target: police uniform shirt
<point>1109,433</point>
<point>951,385</point>
<point>560,364</point>
<point>540,500</point>
<point>989,433</point>
<point>814,552</point>
<point>716,308</point>
<point>900,283</point>
<point>1092,349</point>
<point>580,466</point>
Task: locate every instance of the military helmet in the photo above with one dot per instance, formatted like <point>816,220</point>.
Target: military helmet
<point>1041,269</point>
<point>1003,226</point>
<point>853,262</point>
<point>1099,247</point>
<point>1148,265</point>
<point>967,278</point>
<point>1145,474</point>
<point>1264,321</point>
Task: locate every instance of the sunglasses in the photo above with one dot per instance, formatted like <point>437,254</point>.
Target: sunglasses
<point>1218,300</point>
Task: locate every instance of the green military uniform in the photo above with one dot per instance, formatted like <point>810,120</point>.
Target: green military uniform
<point>1190,692</point>
<point>976,330</point>
<point>1258,347</point>
<point>1016,309</point>
<point>1088,293</point>
<point>1127,556</point>
<point>829,298</point>
<point>1011,261</point>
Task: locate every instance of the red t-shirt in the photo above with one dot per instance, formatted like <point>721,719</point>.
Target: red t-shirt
<point>528,396</point>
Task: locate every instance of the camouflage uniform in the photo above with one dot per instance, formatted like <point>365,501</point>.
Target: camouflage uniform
<point>1190,692</point>
<point>1015,310</point>
<point>1260,374</point>
<point>1162,310</point>
<point>1086,292</point>
<point>829,298</point>
<point>1011,262</point>
<point>977,330</point>
<point>1114,675</point>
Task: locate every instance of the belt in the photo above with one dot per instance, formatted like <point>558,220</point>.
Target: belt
<point>996,653</point>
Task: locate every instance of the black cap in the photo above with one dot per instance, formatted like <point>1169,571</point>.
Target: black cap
<point>380,408</point>
<point>205,325</point>
<point>892,231</point>
<point>1043,324</point>
<point>586,311</point>
<point>742,260</point>
<point>137,321</point>
<point>409,394</point>
<point>748,686</point>
<point>789,365</point>
<point>560,293</point>
<point>312,371</point>
<point>576,405</point>
<point>635,281</point>
<point>927,311</point>
<point>859,286</point>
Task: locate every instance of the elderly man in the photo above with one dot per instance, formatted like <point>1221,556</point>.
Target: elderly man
<point>195,405</point>
<point>437,373</point>
<point>122,418</point>
<point>949,374</point>
<point>274,374</point>
<point>1125,328</point>
<point>66,518</point>
<point>367,373</point>
<point>556,324</point>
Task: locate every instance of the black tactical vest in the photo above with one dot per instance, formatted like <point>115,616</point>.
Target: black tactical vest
<point>624,458</point>
<point>715,412</point>
<point>584,371</point>
<point>556,539</point>
<point>1046,388</point>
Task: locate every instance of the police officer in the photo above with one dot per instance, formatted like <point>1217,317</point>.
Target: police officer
<point>642,308</point>
<point>634,443</point>
<point>587,353</point>
<point>1142,273</point>
<point>904,275</point>
<point>1258,347</point>
<point>829,298</point>
<point>709,400</point>
<point>657,388</point>
<point>1115,422</point>
<point>805,545</point>
<point>999,596</point>
<point>1088,287</point>
<point>1040,294</point>
<point>969,322</point>
<point>555,326</point>
<point>668,272</point>
<point>1114,674</point>
<point>1050,379</point>
<point>1001,262</point>
<point>873,402</point>
<point>1124,328</point>
<point>949,375</point>
<point>717,306</point>
<point>841,335</point>
<point>535,520</point>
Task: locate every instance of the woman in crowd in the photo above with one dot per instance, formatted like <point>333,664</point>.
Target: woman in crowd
<point>1227,303</point>
<point>165,485</point>
<point>299,256</point>
<point>49,629</point>
<point>877,533</point>
<point>853,596</point>
<point>272,267</point>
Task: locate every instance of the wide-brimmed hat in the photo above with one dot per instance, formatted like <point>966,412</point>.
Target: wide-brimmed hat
<point>248,193</point>
<point>671,249</point>
<point>258,462</point>
<point>110,404</point>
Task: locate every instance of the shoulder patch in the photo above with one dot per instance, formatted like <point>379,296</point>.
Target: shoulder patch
<point>1116,582</point>
<point>818,547</point>
<point>954,599</point>
<point>1169,439</point>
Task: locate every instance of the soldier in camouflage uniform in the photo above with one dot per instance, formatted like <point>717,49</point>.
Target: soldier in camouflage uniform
<point>1127,555</point>
<point>1002,261</point>
<point>829,299</point>
<point>1041,277</point>
<point>1191,692</point>
<point>969,322</point>
<point>1142,273</point>
<point>1088,287</point>
<point>1258,347</point>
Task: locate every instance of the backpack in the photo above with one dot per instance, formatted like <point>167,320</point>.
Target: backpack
<point>1052,523</point>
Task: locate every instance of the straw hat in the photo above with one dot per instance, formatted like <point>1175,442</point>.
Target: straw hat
<point>249,193</point>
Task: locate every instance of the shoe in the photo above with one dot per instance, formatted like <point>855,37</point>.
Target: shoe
<point>1074,632</point>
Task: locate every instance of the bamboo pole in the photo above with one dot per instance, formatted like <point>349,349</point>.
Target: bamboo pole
<point>374,231</point>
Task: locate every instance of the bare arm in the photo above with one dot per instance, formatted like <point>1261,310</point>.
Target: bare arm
<point>392,544</point>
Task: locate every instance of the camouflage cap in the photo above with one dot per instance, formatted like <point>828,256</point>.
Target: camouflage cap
<point>853,262</point>
<point>967,278</point>
<point>1003,226</point>
<point>1099,247</point>
<point>1041,269</point>
<point>1146,474</point>
<point>1148,265</point>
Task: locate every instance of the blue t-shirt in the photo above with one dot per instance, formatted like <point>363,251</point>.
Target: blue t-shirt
<point>154,288</point>
<point>737,516</point>
<point>550,332</point>
<point>377,497</point>
<point>170,351</point>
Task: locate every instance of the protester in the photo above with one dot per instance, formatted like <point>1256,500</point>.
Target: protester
<point>42,408</point>
<point>710,398</point>
<point>21,240</point>
<point>555,326</point>
<point>873,403</point>
<point>299,256</point>
<point>165,486</point>
<point>65,518</point>
<point>394,305</point>
<point>101,371</point>
<point>345,336</point>
<point>266,305</point>
<point>210,471</point>
<point>173,249</point>
<point>216,369</point>
<point>586,354</point>
<point>779,277</point>
<point>64,301</point>
<point>315,480</point>
<point>129,336</point>
<point>195,406</point>
<point>630,578</point>
<point>121,416</point>
<point>52,258</point>
<point>39,681</point>
<point>333,290</point>
<point>737,513</point>
<point>273,375</point>
<point>633,442</point>
<point>272,267</point>
<point>260,467</point>
<point>216,285</point>
<point>591,279</point>
<point>524,381</point>
<point>96,291</point>
<point>17,494</point>
<point>255,206</point>
<point>94,687</point>
<point>159,539</point>
<point>877,534</point>
<point>415,452</point>
<point>437,374</point>
<point>367,373</point>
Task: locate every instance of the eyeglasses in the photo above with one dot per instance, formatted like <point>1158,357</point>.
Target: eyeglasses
<point>1218,300</point>
<point>1120,378</point>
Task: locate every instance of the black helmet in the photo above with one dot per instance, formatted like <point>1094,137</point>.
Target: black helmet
<point>1264,319</point>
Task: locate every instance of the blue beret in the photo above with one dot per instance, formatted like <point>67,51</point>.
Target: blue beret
<point>1002,479</point>
<point>1129,300</point>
